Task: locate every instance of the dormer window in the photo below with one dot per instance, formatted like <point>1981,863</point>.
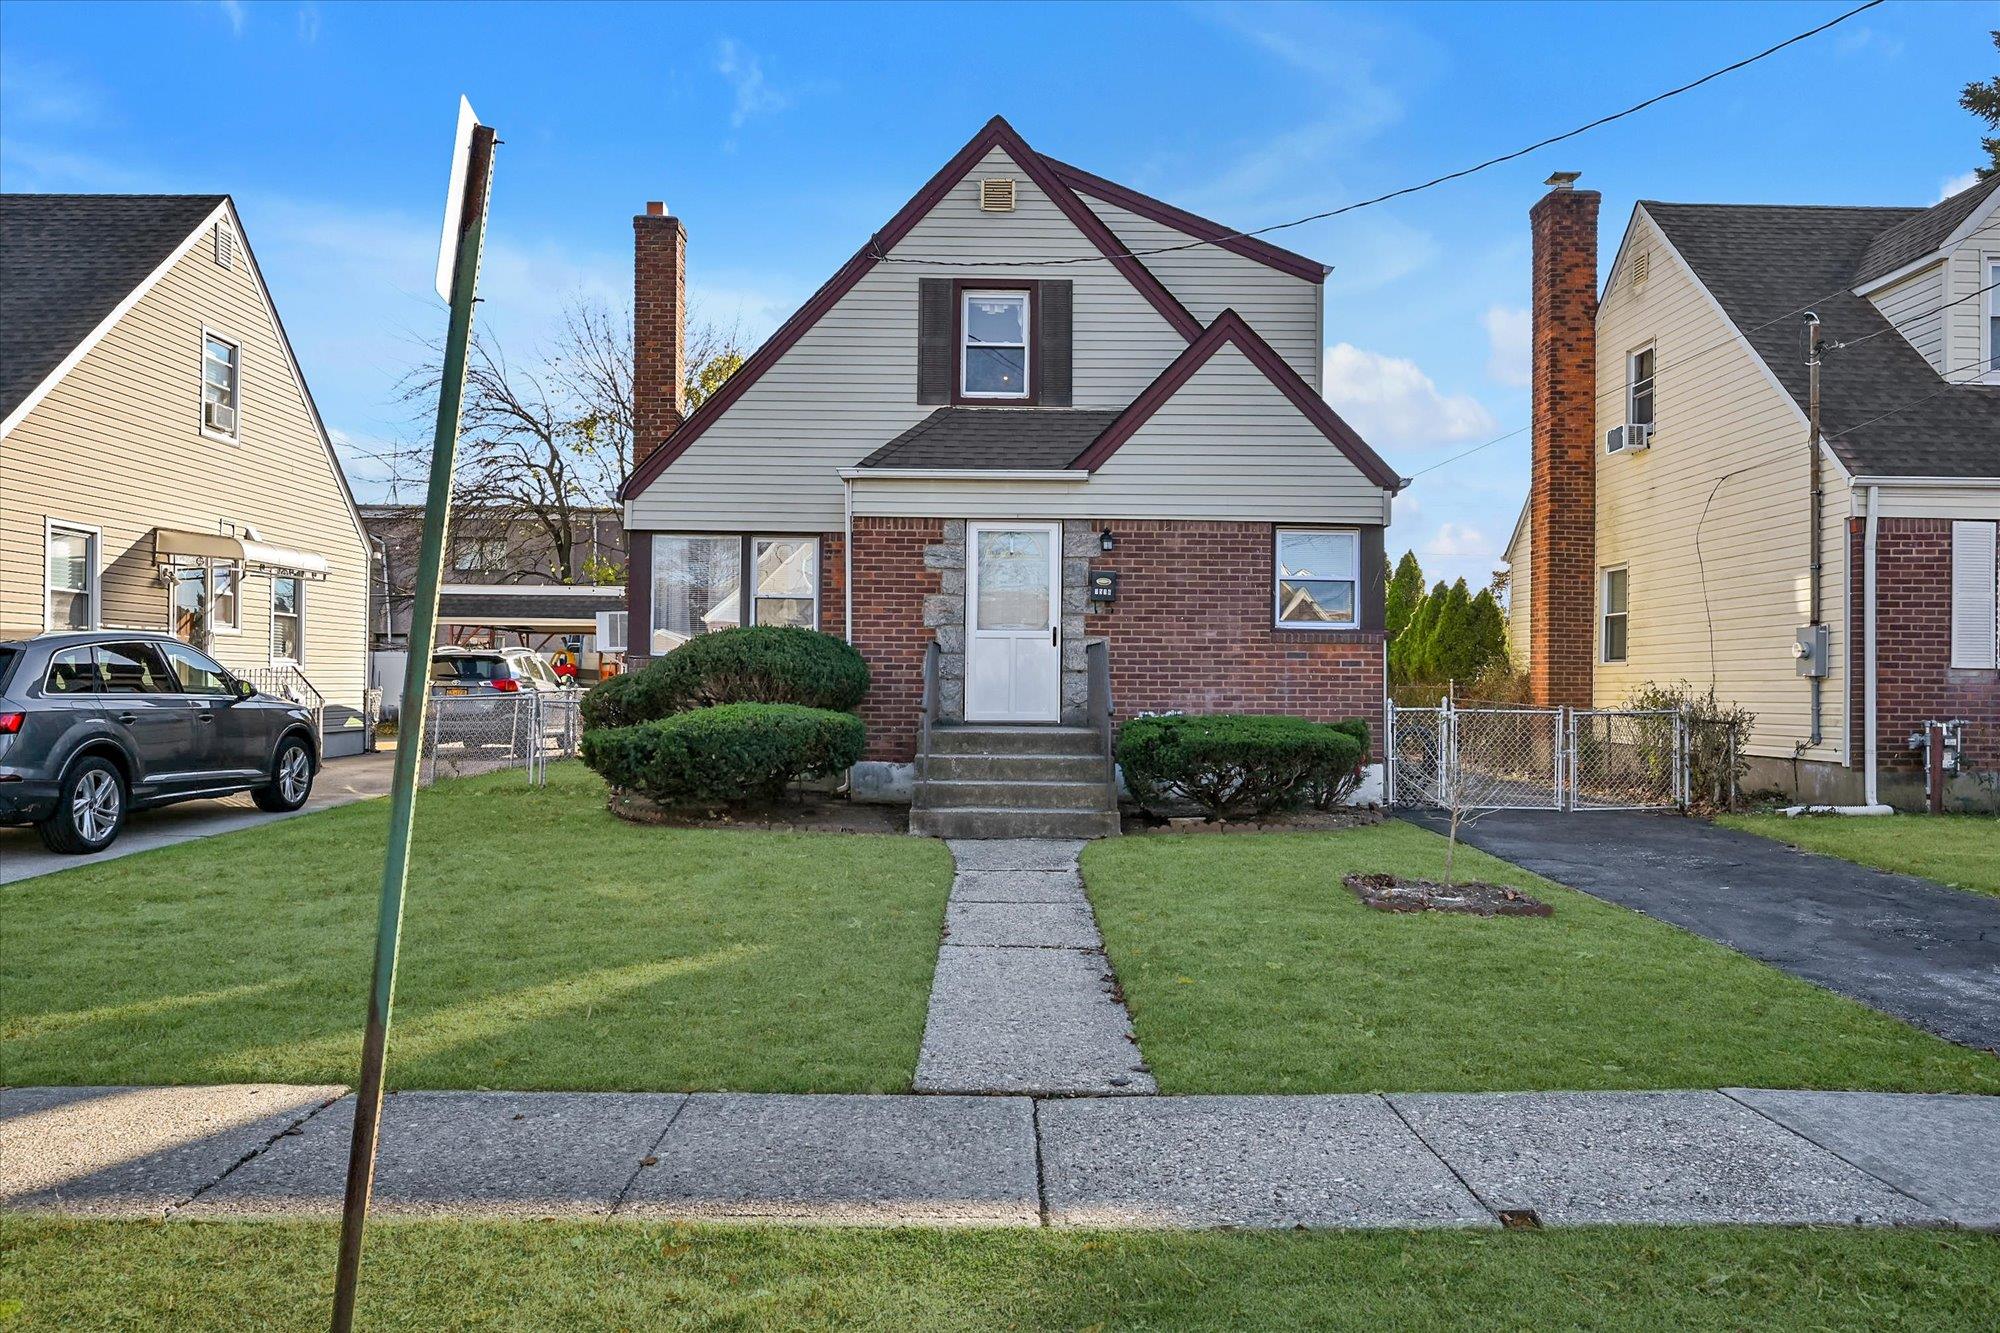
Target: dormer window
<point>993,344</point>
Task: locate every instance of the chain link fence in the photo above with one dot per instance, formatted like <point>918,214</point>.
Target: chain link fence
<point>1537,758</point>
<point>466,735</point>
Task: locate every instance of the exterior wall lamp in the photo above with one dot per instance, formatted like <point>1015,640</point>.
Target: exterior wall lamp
<point>1106,542</point>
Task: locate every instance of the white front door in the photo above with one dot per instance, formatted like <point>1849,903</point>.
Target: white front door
<point>1013,608</point>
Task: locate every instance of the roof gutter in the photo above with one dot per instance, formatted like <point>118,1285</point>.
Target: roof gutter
<point>1937,483</point>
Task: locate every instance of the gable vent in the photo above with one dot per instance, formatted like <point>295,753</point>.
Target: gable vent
<point>225,246</point>
<point>1642,264</point>
<point>997,195</point>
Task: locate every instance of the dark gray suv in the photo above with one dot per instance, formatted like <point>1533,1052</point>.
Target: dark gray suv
<point>94,725</point>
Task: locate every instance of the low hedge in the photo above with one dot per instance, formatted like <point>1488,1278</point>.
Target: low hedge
<point>1235,763</point>
<point>731,754</point>
<point>752,664</point>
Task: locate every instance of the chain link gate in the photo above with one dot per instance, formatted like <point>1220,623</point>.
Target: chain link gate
<point>469,734</point>
<point>1536,758</point>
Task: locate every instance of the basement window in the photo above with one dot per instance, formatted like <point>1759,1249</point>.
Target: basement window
<point>1318,579</point>
<point>1613,601</point>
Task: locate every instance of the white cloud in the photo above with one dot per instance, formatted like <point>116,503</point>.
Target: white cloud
<point>1956,183</point>
<point>45,94</point>
<point>744,73</point>
<point>309,19</point>
<point>1394,404</point>
<point>1458,539</point>
<point>234,12</point>
<point>1508,337</point>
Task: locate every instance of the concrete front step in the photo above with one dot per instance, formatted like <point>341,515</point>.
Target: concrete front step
<point>982,740</point>
<point>1012,822</point>
<point>943,794</point>
<point>1016,767</point>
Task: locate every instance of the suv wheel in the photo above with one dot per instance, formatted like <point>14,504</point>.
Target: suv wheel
<point>291,778</point>
<point>89,811</point>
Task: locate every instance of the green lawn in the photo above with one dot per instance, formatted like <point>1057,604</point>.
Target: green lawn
<point>546,945</point>
<point>1960,850</point>
<point>425,1275</point>
<point>1250,968</point>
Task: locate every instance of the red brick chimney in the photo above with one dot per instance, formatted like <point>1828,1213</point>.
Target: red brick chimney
<point>659,326</point>
<point>1562,491</point>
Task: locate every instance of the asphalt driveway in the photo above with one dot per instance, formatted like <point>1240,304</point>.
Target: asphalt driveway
<point>22,855</point>
<point>1926,953</point>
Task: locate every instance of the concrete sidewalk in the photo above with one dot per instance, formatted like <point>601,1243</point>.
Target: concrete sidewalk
<point>1402,1160</point>
<point>340,782</point>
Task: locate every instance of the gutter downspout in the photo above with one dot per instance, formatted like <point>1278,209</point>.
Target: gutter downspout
<point>847,559</point>
<point>1869,792</point>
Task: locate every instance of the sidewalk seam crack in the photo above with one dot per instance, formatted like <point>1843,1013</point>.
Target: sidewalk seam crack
<point>1443,1161</point>
<point>1041,1168</point>
<point>1801,1135</point>
<point>297,1124</point>
<point>618,1200</point>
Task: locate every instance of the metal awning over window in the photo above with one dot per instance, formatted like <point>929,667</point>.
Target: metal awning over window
<point>261,557</point>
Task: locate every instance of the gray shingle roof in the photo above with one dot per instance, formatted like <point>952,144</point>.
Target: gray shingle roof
<point>1916,236</point>
<point>990,438</point>
<point>1884,410</point>
<point>67,260</point>
<point>503,608</point>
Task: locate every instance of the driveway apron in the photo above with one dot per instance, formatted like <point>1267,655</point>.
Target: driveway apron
<point>1926,953</point>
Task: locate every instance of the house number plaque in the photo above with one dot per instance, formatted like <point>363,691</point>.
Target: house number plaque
<point>1104,585</point>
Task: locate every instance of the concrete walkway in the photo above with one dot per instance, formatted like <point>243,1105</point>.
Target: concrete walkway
<point>1922,951</point>
<point>1023,999</point>
<point>341,781</point>
<point>1423,1160</point>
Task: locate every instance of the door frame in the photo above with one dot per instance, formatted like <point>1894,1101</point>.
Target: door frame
<point>973,528</point>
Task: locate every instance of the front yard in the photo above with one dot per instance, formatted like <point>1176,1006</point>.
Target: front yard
<point>1960,850</point>
<point>546,945</point>
<point>1249,968</point>
<point>196,1276</point>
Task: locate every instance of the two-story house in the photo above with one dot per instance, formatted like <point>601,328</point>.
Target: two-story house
<point>1038,419</point>
<point>1681,524</point>
<point>162,465</point>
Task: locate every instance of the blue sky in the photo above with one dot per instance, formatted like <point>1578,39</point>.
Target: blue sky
<point>784,135</point>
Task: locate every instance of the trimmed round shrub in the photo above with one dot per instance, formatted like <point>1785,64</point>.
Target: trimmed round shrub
<point>1325,791</point>
<point>609,702</point>
<point>1232,763</point>
<point>768,664</point>
<point>732,754</point>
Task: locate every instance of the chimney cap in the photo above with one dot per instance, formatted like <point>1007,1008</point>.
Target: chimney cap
<point>655,208</point>
<point>1562,180</point>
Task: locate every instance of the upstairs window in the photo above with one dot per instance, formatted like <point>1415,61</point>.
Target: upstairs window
<point>221,385</point>
<point>1639,388</point>
<point>993,344</point>
<point>1992,367</point>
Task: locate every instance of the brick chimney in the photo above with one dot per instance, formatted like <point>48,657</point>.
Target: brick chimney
<point>1562,491</point>
<point>659,326</point>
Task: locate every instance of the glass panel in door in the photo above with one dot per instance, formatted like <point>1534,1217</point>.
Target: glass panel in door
<point>1014,580</point>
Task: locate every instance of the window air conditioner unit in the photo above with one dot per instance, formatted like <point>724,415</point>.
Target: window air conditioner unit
<point>219,418</point>
<point>611,631</point>
<point>1628,439</point>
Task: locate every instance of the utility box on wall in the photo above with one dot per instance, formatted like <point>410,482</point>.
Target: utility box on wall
<point>1809,650</point>
<point>1103,586</point>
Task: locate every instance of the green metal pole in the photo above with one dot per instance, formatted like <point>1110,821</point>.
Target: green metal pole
<point>409,742</point>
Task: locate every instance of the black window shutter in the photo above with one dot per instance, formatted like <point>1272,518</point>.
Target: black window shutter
<point>1052,340</point>
<point>935,354</point>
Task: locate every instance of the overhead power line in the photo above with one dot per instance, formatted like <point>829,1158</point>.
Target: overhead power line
<point>1430,184</point>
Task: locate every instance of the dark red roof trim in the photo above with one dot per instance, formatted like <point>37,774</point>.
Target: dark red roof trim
<point>1229,327</point>
<point>997,133</point>
<point>1224,238</point>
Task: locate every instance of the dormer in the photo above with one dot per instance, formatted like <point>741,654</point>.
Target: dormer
<point>1935,275</point>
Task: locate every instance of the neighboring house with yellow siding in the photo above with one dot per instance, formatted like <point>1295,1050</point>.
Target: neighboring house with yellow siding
<point>162,465</point>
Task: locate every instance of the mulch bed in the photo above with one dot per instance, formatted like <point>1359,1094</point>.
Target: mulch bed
<point>812,813</point>
<point>1392,893</point>
<point>1290,821</point>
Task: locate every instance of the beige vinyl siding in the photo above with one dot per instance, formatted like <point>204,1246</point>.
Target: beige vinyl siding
<point>117,445</point>
<point>1209,280</point>
<point>1227,446</point>
<point>1965,323</point>
<point>1913,306</point>
<point>1520,590</point>
<point>849,385</point>
<point>1730,440</point>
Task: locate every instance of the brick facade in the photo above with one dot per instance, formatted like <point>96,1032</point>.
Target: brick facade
<point>891,581</point>
<point>659,327</point>
<point>1915,682</point>
<point>1562,494</point>
<point>1191,629</point>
